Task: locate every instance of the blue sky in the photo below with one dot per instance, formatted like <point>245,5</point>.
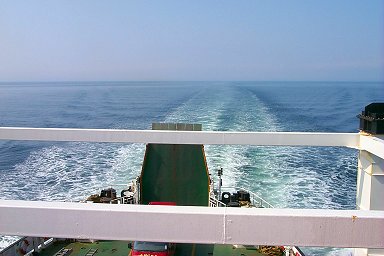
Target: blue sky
<point>192,40</point>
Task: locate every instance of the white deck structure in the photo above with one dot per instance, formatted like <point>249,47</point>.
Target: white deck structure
<point>362,228</point>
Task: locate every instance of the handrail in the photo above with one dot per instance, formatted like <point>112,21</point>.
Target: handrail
<point>373,144</point>
<point>263,203</point>
<point>302,227</point>
<point>364,228</point>
<point>362,141</point>
<point>182,137</point>
<point>213,202</point>
<point>120,198</point>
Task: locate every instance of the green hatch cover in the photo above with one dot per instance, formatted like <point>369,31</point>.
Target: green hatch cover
<point>175,173</point>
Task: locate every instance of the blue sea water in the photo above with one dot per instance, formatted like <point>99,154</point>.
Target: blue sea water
<point>295,177</point>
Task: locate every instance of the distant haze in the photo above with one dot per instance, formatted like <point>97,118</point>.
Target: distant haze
<point>192,40</point>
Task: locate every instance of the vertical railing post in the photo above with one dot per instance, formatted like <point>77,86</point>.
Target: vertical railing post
<point>370,189</point>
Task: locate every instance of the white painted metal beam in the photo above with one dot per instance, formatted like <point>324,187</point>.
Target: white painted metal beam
<point>182,137</point>
<point>373,144</point>
<point>183,224</point>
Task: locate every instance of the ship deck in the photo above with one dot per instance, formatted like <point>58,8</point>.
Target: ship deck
<point>103,248</point>
<point>120,248</point>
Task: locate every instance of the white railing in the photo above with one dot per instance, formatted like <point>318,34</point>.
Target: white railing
<point>123,200</point>
<point>259,202</point>
<point>182,137</point>
<point>213,202</point>
<point>256,200</point>
<point>191,224</point>
<point>223,225</point>
<point>372,144</point>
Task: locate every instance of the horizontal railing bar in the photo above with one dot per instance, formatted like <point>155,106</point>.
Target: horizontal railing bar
<point>182,137</point>
<point>182,224</point>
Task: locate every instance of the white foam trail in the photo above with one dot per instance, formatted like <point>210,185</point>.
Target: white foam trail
<point>227,108</point>
<point>7,240</point>
<point>71,171</point>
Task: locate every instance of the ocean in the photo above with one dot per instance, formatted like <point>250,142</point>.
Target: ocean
<point>294,177</point>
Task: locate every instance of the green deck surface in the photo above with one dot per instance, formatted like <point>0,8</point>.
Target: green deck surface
<point>120,248</point>
<point>175,173</point>
<point>230,250</point>
<point>104,248</point>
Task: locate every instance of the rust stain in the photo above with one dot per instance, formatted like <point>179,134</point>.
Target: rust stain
<point>354,218</point>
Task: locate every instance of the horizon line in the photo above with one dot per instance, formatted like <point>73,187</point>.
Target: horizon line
<point>218,81</point>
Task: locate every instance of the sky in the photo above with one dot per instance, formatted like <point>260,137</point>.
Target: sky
<point>220,40</point>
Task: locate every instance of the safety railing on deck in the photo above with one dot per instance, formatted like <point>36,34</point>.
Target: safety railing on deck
<point>213,202</point>
<point>325,228</point>
<point>256,201</point>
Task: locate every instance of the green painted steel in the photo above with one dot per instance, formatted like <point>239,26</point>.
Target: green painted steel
<point>230,250</point>
<point>120,248</point>
<point>101,248</point>
<point>175,173</point>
